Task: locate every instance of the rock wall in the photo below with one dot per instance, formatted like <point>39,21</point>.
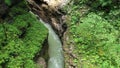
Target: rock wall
<point>49,15</point>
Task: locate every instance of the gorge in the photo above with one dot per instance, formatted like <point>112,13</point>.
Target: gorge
<point>52,19</point>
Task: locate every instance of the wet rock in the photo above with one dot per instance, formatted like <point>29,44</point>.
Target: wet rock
<point>41,63</point>
<point>41,58</point>
<point>54,17</point>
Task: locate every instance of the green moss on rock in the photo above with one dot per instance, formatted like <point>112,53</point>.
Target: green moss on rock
<point>20,39</point>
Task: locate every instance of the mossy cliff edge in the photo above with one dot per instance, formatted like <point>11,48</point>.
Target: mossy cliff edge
<point>21,37</point>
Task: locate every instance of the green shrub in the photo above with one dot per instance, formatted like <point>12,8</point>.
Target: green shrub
<point>95,41</point>
<point>105,5</point>
<point>114,18</point>
<point>100,2</point>
<point>94,31</point>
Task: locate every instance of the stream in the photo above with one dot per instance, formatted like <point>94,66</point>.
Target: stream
<point>56,57</point>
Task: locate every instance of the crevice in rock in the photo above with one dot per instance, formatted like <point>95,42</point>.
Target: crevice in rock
<point>42,56</point>
<point>40,2</point>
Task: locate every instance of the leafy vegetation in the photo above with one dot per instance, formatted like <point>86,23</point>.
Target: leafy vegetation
<point>94,31</point>
<point>21,37</point>
<point>95,40</point>
<point>99,3</point>
<point>93,28</point>
<point>8,2</point>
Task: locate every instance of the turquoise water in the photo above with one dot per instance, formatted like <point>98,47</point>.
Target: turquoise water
<point>56,57</point>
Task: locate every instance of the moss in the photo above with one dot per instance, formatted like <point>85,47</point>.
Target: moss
<point>21,38</point>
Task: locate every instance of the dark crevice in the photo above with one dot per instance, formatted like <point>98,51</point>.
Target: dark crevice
<point>23,32</point>
<point>3,65</point>
<point>40,2</point>
<point>42,53</point>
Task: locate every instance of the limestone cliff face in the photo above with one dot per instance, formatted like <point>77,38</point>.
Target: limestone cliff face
<point>56,3</point>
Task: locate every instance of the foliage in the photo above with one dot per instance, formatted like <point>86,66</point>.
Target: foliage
<point>95,42</point>
<point>114,18</point>
<point>105,5</point>
<point>94,33</point>
<point>8,2</point>
<point>11,3</point>
<point>99,3</point>
<point>20,38</point>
